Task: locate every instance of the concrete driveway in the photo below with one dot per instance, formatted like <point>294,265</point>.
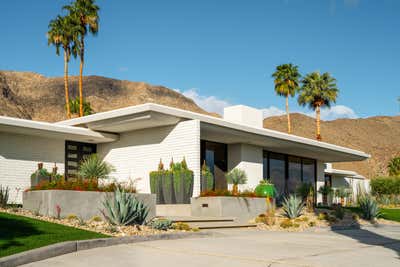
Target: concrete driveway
<point>249,247</point>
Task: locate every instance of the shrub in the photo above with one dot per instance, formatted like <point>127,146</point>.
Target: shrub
<point>96,219</point>
<point>312,224</point>
<point>322,216</point>
<point>4,195</point>
<point>385,186</point>
<point>292,207</point>
<point>288,224</point>
<point>83,185</point>
<point>124,209</point>
<point>394,166</point>
<point>236,177</point>
<point>227,193</point>
<point>181,226</point>
<point>94,168</point>
<point>161,224</point>
<point>369,207</point>
<point>71,217</point>
<point>339,212</point>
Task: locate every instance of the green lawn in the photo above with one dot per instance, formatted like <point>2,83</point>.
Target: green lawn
<point>391,214</point>
<point>18,233</point>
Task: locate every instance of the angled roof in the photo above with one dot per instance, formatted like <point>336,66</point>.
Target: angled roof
<point>51,130</point>
<point>153,115</point>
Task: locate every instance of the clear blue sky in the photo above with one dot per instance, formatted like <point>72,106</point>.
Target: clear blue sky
<point>223,52</point>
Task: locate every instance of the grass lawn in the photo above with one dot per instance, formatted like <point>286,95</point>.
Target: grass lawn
<point>391,214</point>
<point>18,233</point>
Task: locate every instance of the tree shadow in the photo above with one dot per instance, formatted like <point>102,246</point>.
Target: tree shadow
<point>12,229</point>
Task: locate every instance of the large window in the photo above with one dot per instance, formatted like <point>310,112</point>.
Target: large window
<point>288,172</point>
<point>216,158</point>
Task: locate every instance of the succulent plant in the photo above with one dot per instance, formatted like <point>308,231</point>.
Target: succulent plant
<point>124,209</point>
<point>4,195</point>
<point>93,167</point>
<point>369,207</point>
<point>293,207</point>
<point>161,224</point>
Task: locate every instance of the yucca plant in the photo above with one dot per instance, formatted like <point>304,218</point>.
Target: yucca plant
<point>293,207</point>
<point>369,207</point>
<point>124,209</point>
<point>236,177</point>
<point>93,168</point>
<point>4,195</point>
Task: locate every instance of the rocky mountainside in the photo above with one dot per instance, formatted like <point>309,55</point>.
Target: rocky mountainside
<point>377,136</point>
<point>33,96</point>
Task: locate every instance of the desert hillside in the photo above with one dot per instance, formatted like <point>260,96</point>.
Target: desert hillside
<point>378,136</point>
<point>33,96</point>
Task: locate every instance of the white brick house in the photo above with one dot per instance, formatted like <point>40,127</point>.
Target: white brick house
<point>135,138</point>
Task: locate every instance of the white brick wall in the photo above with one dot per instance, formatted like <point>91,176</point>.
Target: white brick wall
<point>137,153</point>
<point>19,156</point>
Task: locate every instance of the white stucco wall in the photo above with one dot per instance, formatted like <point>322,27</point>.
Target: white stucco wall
<point>354,184</point>
<point>248,158</point>
<point>19,156</point>
<point>137,153</point>
<point>320,179</point>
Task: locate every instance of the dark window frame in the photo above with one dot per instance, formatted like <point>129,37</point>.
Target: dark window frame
<point>80,155</point>
<point>266,154</point>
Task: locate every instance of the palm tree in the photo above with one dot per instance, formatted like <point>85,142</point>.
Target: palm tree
<point>318,91</point>
<point>85,15</point>
<point>286,84</point>
<point>61,34</point>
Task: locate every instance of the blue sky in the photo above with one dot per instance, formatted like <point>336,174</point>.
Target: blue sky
<point>224,52</point>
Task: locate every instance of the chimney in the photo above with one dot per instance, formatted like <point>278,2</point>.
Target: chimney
<point>244,115</point>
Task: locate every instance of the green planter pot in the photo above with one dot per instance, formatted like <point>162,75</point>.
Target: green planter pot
<point>265,190</point>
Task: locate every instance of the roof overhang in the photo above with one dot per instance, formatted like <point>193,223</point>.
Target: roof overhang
<point>50,130</point>
<point>343,173</point>
<point>215,129</point>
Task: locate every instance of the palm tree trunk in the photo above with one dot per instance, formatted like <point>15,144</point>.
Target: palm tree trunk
<point>66,84</point>
<point>318,111</point>
<point>82,53</point>
<point>288,115</point>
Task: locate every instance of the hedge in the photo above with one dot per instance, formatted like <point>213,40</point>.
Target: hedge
<point>385,186</point>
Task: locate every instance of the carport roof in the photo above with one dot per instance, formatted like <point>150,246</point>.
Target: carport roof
<point>51,130</point>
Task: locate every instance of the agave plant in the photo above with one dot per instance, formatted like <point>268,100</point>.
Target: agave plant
<point>292,207</point>
<point>369,207</point>
<point>92,167</point>
<point>236,177</point>
<point>124,209</point>
<point>4,195</point>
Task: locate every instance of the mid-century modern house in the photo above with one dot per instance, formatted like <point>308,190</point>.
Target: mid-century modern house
<point>134,139</point>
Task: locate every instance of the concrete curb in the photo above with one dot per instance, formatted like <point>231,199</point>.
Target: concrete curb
<point>58,249</point>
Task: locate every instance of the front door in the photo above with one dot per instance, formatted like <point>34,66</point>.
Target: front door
<point>74,154</point>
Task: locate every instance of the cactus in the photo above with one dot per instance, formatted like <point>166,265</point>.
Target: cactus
<point>156,178</point>
<point>207,178</point>
<point>4,195</point>
<point>168,187</point>
<point>183,182</point>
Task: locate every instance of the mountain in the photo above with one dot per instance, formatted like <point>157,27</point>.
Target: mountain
<point>33,96</point>
<point>377,136</point>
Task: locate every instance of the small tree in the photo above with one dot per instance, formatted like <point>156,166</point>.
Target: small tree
<point>94,168</point>
<point>394,166</point>
<point>325,190</point>
<point>236,177</point>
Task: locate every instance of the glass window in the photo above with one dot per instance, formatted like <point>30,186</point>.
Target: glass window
<point>215,156</point>
<point>277,172</point>
<point>294,174</point>
<point>309,171</point>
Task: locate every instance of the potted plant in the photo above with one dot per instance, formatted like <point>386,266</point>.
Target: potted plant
<point>236,177</point>
<point>265,189</point>
<point>325,190</point>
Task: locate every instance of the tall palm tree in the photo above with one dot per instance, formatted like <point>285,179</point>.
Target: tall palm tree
<point>85,15</point>
<point>61,35</point>
<point>318,91</point>
<point>286,84</point>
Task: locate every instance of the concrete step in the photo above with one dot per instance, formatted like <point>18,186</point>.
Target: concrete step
<point>219,225</point>
<point>193,219</point>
